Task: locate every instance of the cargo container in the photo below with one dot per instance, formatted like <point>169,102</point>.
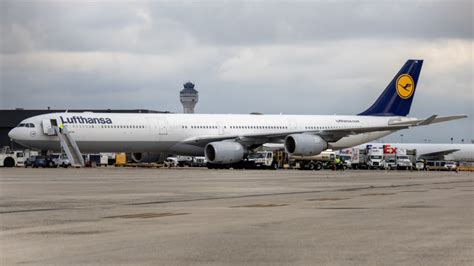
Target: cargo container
<point>120,159</point>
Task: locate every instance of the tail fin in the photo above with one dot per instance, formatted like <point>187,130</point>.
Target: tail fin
<point>396,99</point>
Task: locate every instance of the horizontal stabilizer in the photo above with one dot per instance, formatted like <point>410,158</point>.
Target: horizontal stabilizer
<point>428,121</point>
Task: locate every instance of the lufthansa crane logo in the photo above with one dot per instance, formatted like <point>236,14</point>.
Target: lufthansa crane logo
<point>405,86</point>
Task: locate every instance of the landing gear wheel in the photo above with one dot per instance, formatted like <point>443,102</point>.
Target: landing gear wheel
<point>8,162</point>
<point>274,166</point>
<point>319,166</point>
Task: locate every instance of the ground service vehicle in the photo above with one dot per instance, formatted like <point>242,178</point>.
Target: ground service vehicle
<point>346,156</point>
<point>374,158</point>
<point>420,165</point>
<point>317,162</point>
<point>62,161</point>
<point>452,166</point>
<point>403,161</point>
<point>367,158</point>
<point>269,159</point>
<point>390,163</point>
<point>440,166</point>
<point>171,162</point>
<point>104,159</point>
<point>9,158</point>
<point>36,162</point>
<point>199,161</point>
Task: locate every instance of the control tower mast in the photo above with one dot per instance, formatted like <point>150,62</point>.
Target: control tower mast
<point>189,97</point>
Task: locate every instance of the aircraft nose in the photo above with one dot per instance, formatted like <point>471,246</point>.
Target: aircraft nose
<point>13,134</point>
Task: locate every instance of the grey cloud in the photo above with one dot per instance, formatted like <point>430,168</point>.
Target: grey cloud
<point>149,26</point>
<point>257,23</point>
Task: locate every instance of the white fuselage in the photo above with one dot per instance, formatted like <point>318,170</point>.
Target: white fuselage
<point>170,133</point>
<point>460,152</point>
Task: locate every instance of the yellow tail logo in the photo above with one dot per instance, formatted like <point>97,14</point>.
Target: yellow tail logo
<point>405,86</point>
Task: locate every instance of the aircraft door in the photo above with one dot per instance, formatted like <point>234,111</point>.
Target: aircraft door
<point>292,124</point>
<point>48,125</point>
<point>221,128</point>
<point>162,126</point>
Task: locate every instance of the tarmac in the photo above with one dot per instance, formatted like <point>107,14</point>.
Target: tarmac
<point>123,216</point>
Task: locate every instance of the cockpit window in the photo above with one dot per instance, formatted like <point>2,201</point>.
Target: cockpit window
<point>31,125</point>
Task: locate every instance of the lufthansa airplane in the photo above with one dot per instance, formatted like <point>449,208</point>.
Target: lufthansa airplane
<point>227,138</point>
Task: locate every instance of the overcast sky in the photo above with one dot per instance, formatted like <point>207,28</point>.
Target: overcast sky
<point>308,57</point>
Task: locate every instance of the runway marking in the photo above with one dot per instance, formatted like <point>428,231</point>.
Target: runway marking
<point>146,215</point>
<point>260,206</point>
<point>417,206</point>
<point>414,191</point>
<point>377,194</point>
<point>343,208</point>
<point>327,199</point>
<point>34,210</point>
<point>292,193</point>
<point>68,232</point>
<point>252,195</point>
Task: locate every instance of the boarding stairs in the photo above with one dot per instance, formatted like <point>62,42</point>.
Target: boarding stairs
<point>68,144</point>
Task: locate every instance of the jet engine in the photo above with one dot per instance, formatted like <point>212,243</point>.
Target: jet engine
<point>145,157</point>
<point>305,144</point>
<point>222,152</point>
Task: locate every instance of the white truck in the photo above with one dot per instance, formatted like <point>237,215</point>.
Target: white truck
<point>9,158</point>
<point>62,161</point>
<point>269,159</point>
<point>346,156</point>
<point>375,158</point>
<point>368,158</point>
<point>403,161</point>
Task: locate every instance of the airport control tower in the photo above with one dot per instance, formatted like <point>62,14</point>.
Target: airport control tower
<point>189,97</point>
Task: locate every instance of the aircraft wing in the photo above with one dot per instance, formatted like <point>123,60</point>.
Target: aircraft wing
<point>439,155</point>
<point>428,121</point>
<point>330,135</point>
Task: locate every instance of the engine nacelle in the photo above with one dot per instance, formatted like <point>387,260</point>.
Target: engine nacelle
<point>145,157</point>
<point>305,144</point>
<point>223,152</point>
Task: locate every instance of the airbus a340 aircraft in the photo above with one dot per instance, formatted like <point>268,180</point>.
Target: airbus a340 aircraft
<point>226,139</point>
